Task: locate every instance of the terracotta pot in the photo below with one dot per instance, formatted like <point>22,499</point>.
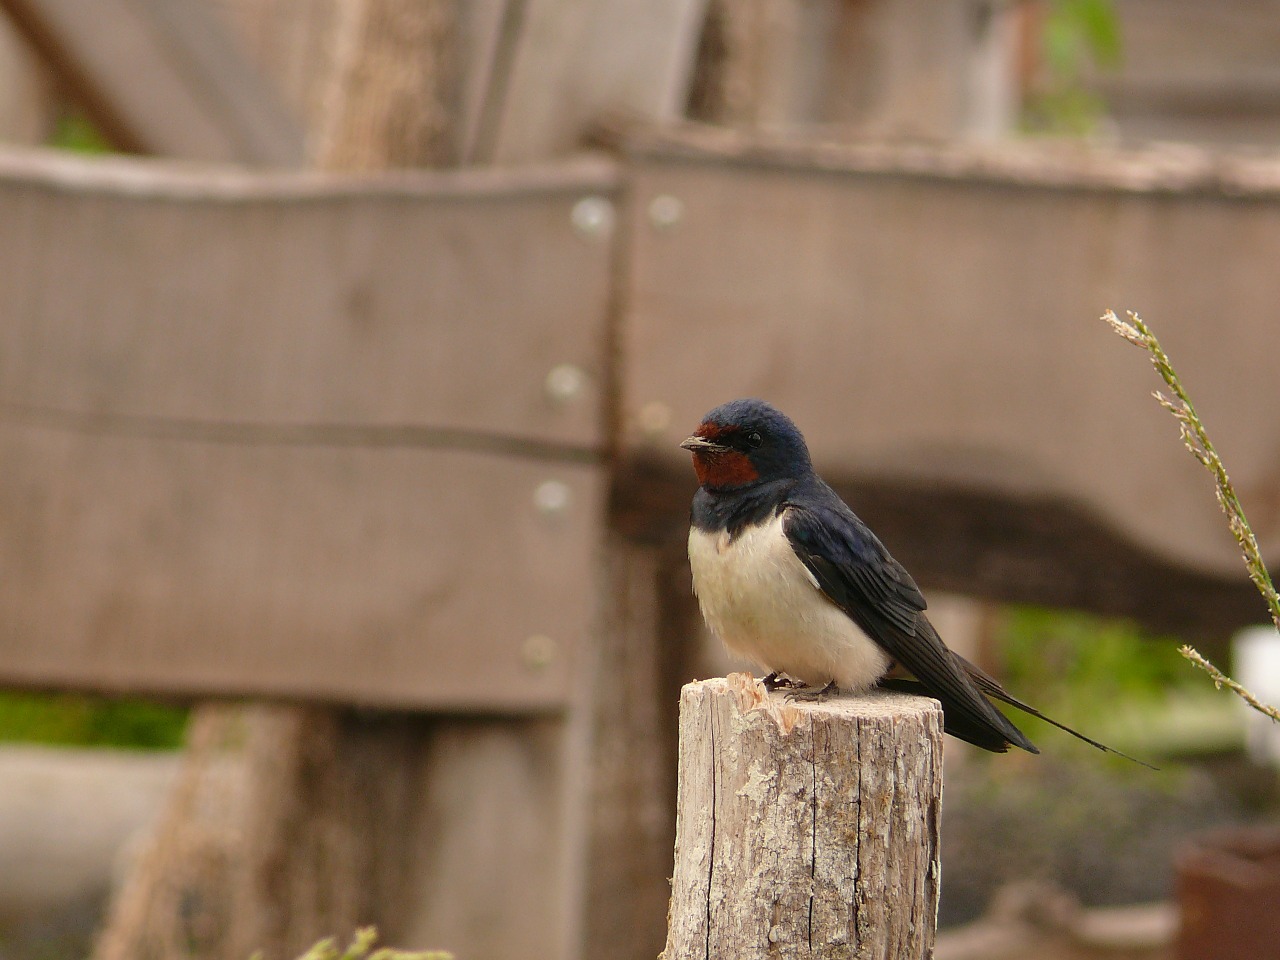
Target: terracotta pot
<point>1229,895</point>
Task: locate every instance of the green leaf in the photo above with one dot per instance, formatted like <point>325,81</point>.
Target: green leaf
<point>1100,28</point>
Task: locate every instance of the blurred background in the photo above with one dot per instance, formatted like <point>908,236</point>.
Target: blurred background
<point>346,348</point>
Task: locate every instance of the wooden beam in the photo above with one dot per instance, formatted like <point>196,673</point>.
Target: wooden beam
<point>27,101</point>
<point>486,34</point>
<point>903,68</point>
<point>172,298</point>
<point>163,77</point>
<point>259,424</point>
<point>392,577</point>
<point>391,54</point>
<point>1192,73</point>
<point>626,737</point>
<point>928,317</point>
<point>575,60</point>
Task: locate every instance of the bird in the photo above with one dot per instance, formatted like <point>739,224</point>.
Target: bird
<point>788,576</point>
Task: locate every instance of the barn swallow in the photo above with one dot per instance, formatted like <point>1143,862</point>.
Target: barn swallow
<point>788,577</point>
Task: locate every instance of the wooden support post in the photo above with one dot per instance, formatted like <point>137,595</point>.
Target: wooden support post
<point>161,77</point>
<point>874,68</point>
<point>27,98</point>
<point>805,829</point>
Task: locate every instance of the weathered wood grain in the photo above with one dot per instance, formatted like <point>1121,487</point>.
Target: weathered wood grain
<point>162,76</point>
<point>486,33</point>
<point>928,316</point>
<point>292,43</point>
<point>574,60</point>
<point>237,408</point>
<point>1193,74</point>
<point>153,291</point>
<point>27,100</point>
<point>888,68</point>
<point>805,830</point>
<point>391,577</point>
<point>391,103</point>
<point>623,728</point>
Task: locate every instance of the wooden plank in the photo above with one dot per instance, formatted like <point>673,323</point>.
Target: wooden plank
<point>300,43</point>
<point>162,76</point>
<point>1192,72</point>
<point>914,68</point>
<point>909,68</point>
<point>928,317</point>
<point>399,578</point>
<point>299,300</point>
<point>294,340</point>
<point>392,101</point>
<point>488,859</point>
<point>625,735</point>
<point>486,34</point>
<point>575,60</point>
<point>27,105</point>
<point>292,43</point>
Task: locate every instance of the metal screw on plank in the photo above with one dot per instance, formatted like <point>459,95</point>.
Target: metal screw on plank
<point>653,419</point>
<point>593,217</point>
<point>551,498</point>
<point>539,651</point>
<point>665,211</point>
<point>565,382</point>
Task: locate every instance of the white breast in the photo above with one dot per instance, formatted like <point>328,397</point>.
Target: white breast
<point>764,604</point>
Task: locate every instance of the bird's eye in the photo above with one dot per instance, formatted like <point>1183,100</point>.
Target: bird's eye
<point>754,439</point>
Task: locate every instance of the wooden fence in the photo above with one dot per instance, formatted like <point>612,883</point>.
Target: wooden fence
<point>406,442</point>
<point>411,442</point>
<point>354,377</point>
<point>301,404</point>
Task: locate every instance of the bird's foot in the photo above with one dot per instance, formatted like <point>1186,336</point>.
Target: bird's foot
<point>778,681</point>
<point>815,696</point>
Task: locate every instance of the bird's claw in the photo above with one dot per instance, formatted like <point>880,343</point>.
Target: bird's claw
<point>810,695</point>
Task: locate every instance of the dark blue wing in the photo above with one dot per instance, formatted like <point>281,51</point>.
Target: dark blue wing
<point>857,573</point>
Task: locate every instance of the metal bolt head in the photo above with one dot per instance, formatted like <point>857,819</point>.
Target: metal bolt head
<point>593,217</point>
<point>539,651</point>
<point>665,211</point>
<point>551,498</point>
<point>653,419</point>
<point>565,382</point>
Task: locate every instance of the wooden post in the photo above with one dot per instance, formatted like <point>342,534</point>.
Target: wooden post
<point>805,829</point>
<point>27,96</point>
<point>874,68</point>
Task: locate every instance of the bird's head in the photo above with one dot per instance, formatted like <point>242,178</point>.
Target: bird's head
<point>745,442</point>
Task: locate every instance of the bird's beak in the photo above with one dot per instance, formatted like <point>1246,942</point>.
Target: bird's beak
<point>697,443</point>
